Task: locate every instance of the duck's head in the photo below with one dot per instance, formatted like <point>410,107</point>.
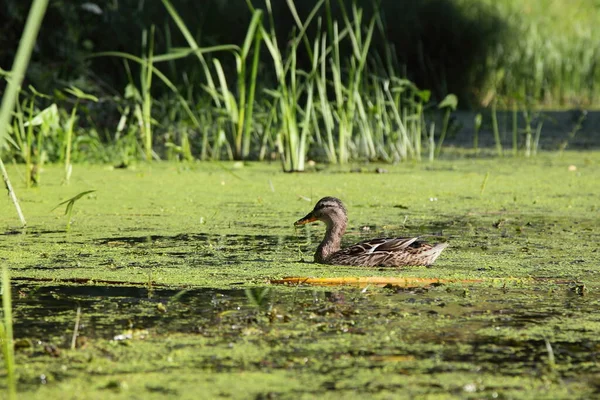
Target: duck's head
<point>330,210</point>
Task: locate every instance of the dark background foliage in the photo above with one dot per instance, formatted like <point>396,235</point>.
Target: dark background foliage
<point>438,44</point>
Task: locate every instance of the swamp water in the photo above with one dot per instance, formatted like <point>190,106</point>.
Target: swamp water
<point>170,266</point>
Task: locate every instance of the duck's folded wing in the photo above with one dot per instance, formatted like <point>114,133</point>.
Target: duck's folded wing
<point>380,245</point>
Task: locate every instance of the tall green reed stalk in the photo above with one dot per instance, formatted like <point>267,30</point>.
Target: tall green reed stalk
<point>6,335</point>
<point>240,111</point>
<point>32,26</point>
<point>449,104</point>
<point>244,130</point>
<point>152,69</point>
<point>515,128</point>
<point>23,132</point>
<point>538,132</point>
<point>431,142</point>
<point>348,94</point>
<point>46,122</point>
<point>404,147</point>
<point>495,129</point>
<point>144,113</point>
<point>195,49</point>
<point>477,121</point>
<point>528,132</point>
<point>292,85</point>
<point>79,95</point>
<point>324,107</point>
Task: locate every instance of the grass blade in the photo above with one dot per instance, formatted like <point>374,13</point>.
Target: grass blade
<point>192,42</point>
<point>6,335</point>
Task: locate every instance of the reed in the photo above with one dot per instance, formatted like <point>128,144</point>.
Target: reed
<point>32,26</point>
<point>538,132</point>
<point>336,94</point>
<point>528,144</point>
<point>187,110</point>
<point>449,104</point>
<point>143,111</point>
<point>342,106</point>
<point>348,93</point>
<point>79,95</point>
<point>292,84</point>
<point>239,110</point>
<point>495,129</point>
<point>6,335</point>
<point>477,121</point>
<point>547,57</point>
<point>515,129</point>
<point>23,132</point>
<point>69,206</point>
<point>576,128</point>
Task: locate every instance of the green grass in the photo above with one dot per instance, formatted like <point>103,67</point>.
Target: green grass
<point>552,53</point>
<point>333,90</point>
<point>373,113</point>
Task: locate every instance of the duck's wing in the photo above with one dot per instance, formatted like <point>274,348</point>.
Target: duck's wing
<point>387,252</point>
<point>383,245</point>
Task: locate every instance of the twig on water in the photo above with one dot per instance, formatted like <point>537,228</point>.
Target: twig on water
<point>12,194</point>
<point>76,329</point>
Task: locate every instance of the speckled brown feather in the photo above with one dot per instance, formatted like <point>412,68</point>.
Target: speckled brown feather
<point>392,252</point>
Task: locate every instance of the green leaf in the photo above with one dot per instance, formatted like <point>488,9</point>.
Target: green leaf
<point>131,92</point>
<point>450,101</point>
<point>80,94</point>
<point>10,140</point>
<point>424,94</point>
<point>478,120</point>
<point>70,202</point>
<point>48,116</point>
<point>229,99</point>
<point>252,31</point>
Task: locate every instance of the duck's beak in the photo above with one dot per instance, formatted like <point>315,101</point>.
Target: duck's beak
<point>310,217</point>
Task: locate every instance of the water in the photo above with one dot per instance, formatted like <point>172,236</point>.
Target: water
<point>160,259</point>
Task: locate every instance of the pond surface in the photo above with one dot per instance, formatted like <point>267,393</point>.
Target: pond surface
<point>170,267</point>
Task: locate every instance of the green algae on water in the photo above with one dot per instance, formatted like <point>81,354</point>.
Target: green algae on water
<point>160,257</point>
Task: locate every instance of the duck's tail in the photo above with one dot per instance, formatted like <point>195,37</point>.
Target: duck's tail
<point>430,255</point>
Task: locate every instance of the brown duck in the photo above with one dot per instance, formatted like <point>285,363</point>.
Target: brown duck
<point>392,252</point>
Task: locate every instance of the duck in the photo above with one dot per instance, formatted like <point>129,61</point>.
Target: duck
<point>383,252</point>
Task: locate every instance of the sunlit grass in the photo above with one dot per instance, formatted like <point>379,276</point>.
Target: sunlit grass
<point>553,54</point>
